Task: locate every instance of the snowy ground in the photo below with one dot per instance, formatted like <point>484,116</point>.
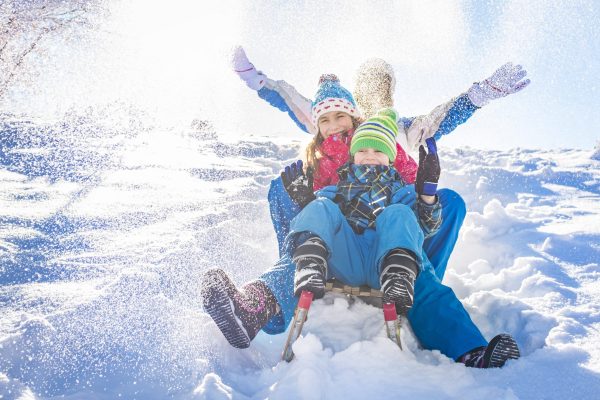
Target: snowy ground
<point>104,233</point>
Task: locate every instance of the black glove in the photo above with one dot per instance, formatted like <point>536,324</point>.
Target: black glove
<point>428,173</point>
<point>298,185</point>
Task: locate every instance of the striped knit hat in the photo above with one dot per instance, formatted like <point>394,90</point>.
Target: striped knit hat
<point>378,132</point>
<point>331,96</point>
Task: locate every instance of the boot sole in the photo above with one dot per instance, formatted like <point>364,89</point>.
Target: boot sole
<point>503,348</point>
<point>217,303</point>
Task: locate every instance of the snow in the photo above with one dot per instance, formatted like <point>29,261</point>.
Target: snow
<point>100,261</point>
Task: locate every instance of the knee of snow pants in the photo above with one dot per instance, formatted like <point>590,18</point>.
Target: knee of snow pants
<point>439,247</point>
<point>347,251</point>
<point>439,319</point>
<point>318,217</point>
<point>397,228</point>
<point>321,217</point>
<point>280,280</point>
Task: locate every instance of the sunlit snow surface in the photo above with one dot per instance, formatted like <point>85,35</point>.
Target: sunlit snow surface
<point>104,234</point>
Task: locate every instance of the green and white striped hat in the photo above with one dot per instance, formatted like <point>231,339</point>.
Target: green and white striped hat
<point>378,132</point>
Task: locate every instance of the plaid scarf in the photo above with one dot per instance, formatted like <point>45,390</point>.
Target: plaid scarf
<point>364,191</point>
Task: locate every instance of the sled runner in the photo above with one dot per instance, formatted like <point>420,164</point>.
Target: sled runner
<point>367,294</point>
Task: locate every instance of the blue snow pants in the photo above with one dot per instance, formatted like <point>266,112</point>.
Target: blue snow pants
<point>438,319</point>
<point>431,297</point>
<point>354,259</point>
<point>437,247</point>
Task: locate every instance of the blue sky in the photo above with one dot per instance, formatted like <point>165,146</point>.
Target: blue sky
<point>172,59</point>
<point>438,48</point>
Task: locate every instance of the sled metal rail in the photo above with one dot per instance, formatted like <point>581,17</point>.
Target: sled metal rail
<point>368,295</point>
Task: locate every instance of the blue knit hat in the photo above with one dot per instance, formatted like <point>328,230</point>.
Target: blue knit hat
<point>331,96</point>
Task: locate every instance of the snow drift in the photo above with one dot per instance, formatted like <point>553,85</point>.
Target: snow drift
<point>105,233</point>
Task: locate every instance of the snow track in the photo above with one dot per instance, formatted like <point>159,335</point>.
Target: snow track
<point>99,294</point>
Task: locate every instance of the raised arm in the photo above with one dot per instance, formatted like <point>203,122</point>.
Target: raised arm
<point>279,94</point>
<point>507,79</point>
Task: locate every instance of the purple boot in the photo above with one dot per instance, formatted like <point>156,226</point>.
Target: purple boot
<point>500,349</point>
<point>239,314</point>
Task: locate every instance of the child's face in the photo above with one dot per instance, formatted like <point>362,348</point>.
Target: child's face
<point>370,156</point>
<point>334,122</point>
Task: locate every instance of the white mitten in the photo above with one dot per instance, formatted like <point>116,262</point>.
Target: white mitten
<point>245,70</point>
<point>506,80</point>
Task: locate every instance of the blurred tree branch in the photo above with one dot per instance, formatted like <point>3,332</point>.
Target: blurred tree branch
<point>26,24</point>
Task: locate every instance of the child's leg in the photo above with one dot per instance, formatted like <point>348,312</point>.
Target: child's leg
<point>399,270</point>
<point>394,261</point>
<point>396,228</point>
<point>345,249</point>
<point>439,319</point>
<point>310,257</point>
<point>439,246</point>
<point>323,218</point>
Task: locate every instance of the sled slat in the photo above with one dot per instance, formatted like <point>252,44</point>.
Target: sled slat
<point>360,291</point>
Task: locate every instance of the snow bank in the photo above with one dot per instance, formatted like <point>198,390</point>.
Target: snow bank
<point>100,280</point>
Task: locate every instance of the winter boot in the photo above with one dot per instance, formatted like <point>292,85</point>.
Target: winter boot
<point>500,349</point>
<point>398,273</point>
<point>311,267</point>
<point>239,314</point>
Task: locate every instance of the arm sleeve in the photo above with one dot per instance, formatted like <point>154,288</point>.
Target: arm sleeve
<point>441,121</point>
<point>429,216</point>
<point>460,112</point>
<point>286,98</point>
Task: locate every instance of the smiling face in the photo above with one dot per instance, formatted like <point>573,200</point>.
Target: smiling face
<point>334,122</point>
<point>370,156</point>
